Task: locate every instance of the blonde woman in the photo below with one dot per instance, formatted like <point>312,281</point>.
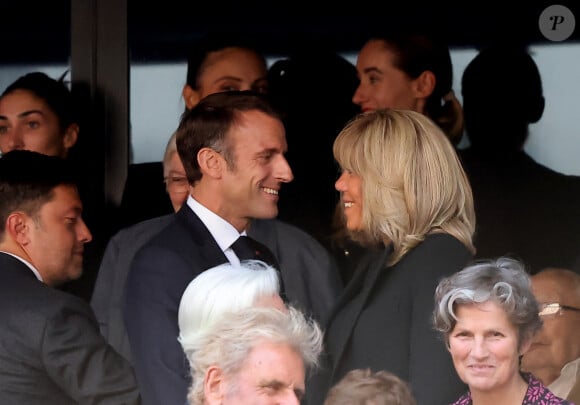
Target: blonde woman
<point>402,187</point>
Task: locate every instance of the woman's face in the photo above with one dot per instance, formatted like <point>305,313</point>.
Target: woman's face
<point>228,69</point>
<point>26,122</point>
<point>484,347</point>
<point>350,187</point>
<point>382,85</point>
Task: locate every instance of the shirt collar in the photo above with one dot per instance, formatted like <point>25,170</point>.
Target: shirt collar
<point>30,266</point>
<point>222,231</point>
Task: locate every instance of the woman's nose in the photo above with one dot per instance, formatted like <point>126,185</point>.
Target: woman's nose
<point>479,348</point>
<point>339,184</point>
<point>14,141</point>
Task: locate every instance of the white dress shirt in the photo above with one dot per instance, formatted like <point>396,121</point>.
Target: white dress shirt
<point>222,231</point>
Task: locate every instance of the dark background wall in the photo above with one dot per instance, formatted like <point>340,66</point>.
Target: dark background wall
<point>160,30</point>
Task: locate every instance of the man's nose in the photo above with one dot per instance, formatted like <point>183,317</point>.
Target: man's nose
<point>283,171</point>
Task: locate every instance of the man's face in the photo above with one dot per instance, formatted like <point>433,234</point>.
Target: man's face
<point>55,240</point>
<point>558,342</point>
<point>272,374</point>
<point>176,183</point>
<point>250,189</point>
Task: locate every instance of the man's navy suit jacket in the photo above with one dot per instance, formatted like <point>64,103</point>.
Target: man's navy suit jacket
<point>164,266</point>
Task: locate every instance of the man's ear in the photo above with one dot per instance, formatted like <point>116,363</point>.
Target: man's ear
<point>210,162</point>
<point>71,136</point>
<point>424,85</point>
<point>17,228</point>
<point>190,97</point>
<point>213,386</point>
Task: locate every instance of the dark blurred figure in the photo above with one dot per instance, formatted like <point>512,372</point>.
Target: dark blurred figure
<point>314,112</point>
<point>523,208</point>
<point>144,180</point>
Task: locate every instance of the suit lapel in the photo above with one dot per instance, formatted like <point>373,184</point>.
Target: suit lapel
<point>207,248</point>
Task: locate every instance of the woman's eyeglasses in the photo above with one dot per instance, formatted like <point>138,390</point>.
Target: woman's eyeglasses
<point>555,308</point>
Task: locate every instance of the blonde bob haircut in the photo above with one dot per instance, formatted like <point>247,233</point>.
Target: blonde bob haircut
<point>413,183</point>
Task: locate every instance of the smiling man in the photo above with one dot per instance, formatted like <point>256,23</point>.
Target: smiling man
<point>232,146</point>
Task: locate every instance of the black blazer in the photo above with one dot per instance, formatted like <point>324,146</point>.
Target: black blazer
<point>51,350</point>
<point>164,266</point>
<point>383,321</point>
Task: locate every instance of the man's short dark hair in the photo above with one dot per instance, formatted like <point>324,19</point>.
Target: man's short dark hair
<point>207,125</point>
<point>28,179</point>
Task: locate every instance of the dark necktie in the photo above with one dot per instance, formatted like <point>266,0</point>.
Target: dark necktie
<point>247,248</point>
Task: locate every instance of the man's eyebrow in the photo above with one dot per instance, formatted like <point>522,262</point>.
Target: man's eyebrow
<point>75,210</point>
<point>279,385</point>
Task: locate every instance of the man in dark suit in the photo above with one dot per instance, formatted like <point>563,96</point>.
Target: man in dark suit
<point>51,351</point>
<point>304,260</point>
<point>232,146</point>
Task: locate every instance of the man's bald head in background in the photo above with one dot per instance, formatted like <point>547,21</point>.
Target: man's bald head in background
<point>558,342</point>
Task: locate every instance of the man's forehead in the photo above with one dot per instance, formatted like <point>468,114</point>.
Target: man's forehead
<point>66,195</point>
<point>561,290</point>
<point>551,281</point>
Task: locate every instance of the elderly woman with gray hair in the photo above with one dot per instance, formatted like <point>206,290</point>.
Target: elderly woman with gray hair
<point>488,315</point>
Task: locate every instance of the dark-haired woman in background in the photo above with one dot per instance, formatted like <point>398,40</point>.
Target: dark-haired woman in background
<point>37,114</point>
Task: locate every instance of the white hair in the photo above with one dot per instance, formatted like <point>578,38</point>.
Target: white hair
<point>170,149</point>
<point>228,343</point>
<point>220,290</point>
